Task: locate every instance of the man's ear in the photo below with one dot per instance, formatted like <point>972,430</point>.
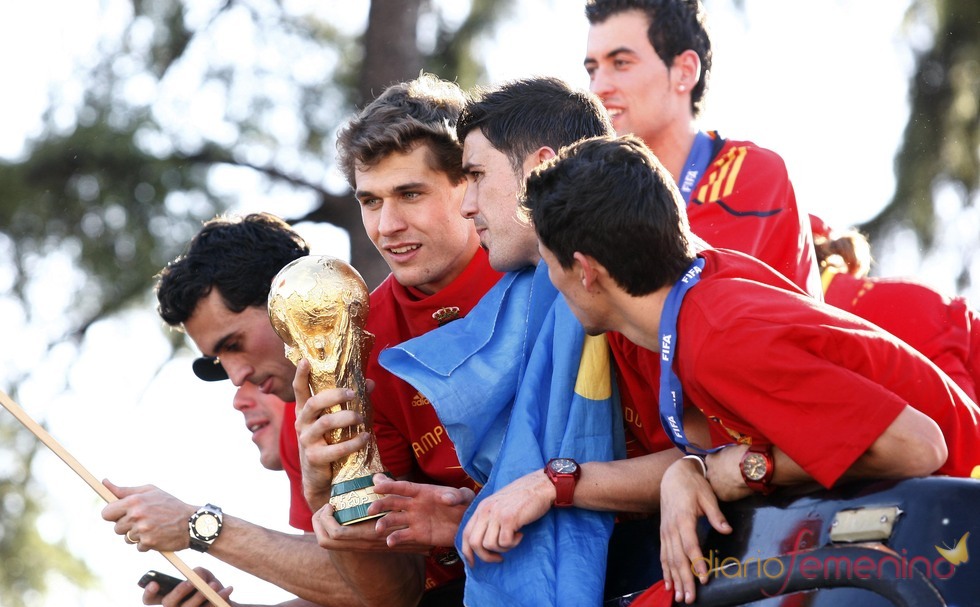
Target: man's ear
<point>545,153</point>
<point>685,72</point>
<point>588,270</point>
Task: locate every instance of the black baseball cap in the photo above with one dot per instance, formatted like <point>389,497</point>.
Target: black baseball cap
<point>209,368</point>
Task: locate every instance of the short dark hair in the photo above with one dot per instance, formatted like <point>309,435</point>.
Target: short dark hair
<point>611,199</point>
<point>404,116</point>
<point>674,27</point>
<point>522,116</point>
<point>238,256</point>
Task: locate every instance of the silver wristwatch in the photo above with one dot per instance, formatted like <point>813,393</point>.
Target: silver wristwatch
<point>204,527</point>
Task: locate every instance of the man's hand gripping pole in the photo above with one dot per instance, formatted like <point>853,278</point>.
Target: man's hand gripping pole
<point>49,441</point>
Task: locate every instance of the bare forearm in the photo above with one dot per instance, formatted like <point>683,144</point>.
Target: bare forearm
<point>631,485</point>
<point>295,563</point>
<point>382,579</point>
<point>911,446</point>
<point>314,498</point>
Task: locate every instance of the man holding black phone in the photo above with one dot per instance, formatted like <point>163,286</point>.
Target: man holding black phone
<point>263,414</point>
<point>164,583</point>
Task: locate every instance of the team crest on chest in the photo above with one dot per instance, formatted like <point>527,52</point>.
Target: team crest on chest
<point>738,437</point>
<point>444,315</point>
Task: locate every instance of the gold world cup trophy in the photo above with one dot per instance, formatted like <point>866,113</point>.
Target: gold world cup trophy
<point>319,305</point>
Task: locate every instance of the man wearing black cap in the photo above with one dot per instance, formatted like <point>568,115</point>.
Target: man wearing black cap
<point>209,368</point>
<point>216,292</point>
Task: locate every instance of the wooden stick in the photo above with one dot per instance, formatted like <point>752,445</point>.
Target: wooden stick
<point>103,491</point>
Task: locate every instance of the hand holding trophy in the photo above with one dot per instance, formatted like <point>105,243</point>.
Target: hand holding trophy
<point>319,305</point>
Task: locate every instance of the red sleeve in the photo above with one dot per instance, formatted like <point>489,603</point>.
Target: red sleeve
<point>935,325</point>
<point>655,596</point>
<point>300,515</point>
<point>954,346</point>
<point>793,386</point>
<point>745,202</point>
<point>973,322</point>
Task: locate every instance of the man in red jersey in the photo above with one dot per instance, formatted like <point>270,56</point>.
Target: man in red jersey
<point>804,392</point>
<point>517,383</point>
<point>945,329</point>
<point>402,157</point>
<point>501,349</point>
<point>649,62</point>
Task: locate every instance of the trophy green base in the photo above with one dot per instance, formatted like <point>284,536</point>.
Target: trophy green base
<point>350,500</point>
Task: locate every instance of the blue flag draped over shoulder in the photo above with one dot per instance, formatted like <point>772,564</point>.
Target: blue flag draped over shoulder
<point>469,369</point>
<point>517,382</point>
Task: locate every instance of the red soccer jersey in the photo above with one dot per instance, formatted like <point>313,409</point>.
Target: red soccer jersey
<point>774,366</point>
<point>300,515</point>
<point>744,201</point>
<point>655,596</point>
<point>411,439</point>
<point>944,329</point>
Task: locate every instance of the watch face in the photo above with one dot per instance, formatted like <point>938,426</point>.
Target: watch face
<point>754,466</point>
<point>206,525</point>
<point>563,465</point>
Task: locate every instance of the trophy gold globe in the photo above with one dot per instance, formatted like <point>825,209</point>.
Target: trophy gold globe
<point>319,305</point>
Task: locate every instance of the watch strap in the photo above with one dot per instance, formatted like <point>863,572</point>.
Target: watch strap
<point>564,490</point>
<point>761,485</point>
<point>564,482</point>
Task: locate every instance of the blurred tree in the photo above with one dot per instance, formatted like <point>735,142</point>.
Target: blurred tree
<point>390,55</point>
<point>941,147</point>
<point>27,558</point>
